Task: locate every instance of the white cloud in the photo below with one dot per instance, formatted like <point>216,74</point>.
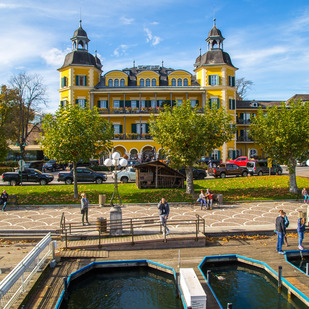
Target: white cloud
<point>126,21</point>
<point>153,40</point>
<point>54,56</point>
<point>121,50</point>
<point>154,23</point>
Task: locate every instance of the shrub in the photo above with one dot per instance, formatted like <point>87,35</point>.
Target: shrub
<point>9,163</point>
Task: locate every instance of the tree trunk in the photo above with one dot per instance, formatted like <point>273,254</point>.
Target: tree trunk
<point>189,180</point>
<point>292,176</point>
<point>75,180</point>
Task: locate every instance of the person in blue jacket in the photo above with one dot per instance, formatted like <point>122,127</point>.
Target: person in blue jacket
<point>301,231</point>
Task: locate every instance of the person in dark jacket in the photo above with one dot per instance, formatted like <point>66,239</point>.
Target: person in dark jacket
<point>164,211</point>
<point>4,199</point>
<point>84,203</point>
<point>281,231</point>
<point>301,231</point>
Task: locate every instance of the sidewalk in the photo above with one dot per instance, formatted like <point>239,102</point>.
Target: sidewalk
<point>234,217</point>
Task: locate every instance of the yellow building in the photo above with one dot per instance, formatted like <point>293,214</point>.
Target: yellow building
<point>127,97</point>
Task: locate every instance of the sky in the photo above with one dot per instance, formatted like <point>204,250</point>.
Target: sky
<point>268,41</point>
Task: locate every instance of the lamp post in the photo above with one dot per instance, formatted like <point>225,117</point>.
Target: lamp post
<point>115,212</point>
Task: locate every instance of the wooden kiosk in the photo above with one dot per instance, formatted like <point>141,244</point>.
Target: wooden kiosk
<point>156,174</point>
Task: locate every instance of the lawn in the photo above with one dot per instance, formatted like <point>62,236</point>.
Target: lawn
<point>233,189</point>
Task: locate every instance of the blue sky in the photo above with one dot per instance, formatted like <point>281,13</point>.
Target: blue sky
<point>267,40</point>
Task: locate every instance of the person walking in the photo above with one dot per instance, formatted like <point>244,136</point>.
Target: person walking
<point>301,231</point>
<point>84,208</point>
<point>281,231</point>
<point>164,211</point>
<point>4,199</point>
<point>202,199</point>
<point>304,192</point>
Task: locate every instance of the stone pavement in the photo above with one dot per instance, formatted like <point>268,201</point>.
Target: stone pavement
<point>231,217</point>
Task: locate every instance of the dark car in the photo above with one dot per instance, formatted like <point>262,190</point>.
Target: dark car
<point>28,175</point>
<point>83,174</point>
<point>259,167</point>
<point>209,161</point>
<point>197,173</point>
<point>34,164</point>
<point>53,165</point>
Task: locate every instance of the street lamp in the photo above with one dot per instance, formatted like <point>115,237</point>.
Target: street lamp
<point>115,212</point>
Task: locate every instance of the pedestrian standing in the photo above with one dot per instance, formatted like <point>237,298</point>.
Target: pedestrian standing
<point>164,211</point>
<point>301,231</point>
<point>4,199</point>
<point>202,199</point>
<point>84,208</point>
<point>281,231</point>
<point>304,192</point>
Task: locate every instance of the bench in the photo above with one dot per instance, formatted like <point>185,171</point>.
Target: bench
<point>216,198</point>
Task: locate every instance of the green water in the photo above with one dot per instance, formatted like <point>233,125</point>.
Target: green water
<point>247,287</point>
<point>136,288</point>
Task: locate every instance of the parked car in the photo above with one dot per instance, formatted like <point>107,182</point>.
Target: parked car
<point>83,174</point>
<point>206,160</point>
<point>197,173</point>
<point>260,168</point>
<point>228,169</point>
<point>126,175</point>
<point>240,161</point>
<point>53,165</point>
<point>28,175</point>
<point>34,164</point>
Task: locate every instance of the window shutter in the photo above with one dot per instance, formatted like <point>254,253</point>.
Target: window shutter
<point>217,80</point>
<point>209,80</point>
<point>85,103</point>
<point>133,127</point>
<point>219,155</point>
<point>234,104</point>
<point>137,103</point>
<point>209,103</point>
<point>62,82</point>
<point>128,103</point>
<point>121,103</point>
<point>85,81</point>
<point>147,127</point>
<point>120,128</point>
<point>218,103</point>
<point>233,81</point>
<point>76,102</point>
<point>98,104</point>
<point>61,104</point>
<point>107,104</point>
<point>76,80</point>
<point>113,128</point>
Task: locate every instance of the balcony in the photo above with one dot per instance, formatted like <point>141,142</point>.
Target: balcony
<point>136,110</point>
<point>244,139</point>
<point>243,121</point>
<point>130,136</point>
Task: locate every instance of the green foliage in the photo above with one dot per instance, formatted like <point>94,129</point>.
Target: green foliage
<point>9,163</point>
<point>283,134</point>
<point>186,135</point>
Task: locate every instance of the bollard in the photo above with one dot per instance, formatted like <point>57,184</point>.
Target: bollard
<point>307,269</point>
<point>65,288</point>
<point>279,278</point>
<point>208,276</point>
<point>229,306</point>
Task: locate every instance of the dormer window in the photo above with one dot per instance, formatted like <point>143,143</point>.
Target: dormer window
<point>173,82</point>
<point>154,82</point>
<point>147,82</point>
<point>185,82</point>
<point>254,104</point>
<point>110,83</point>
<point>122,83</point>
<point>179,82</point>
<point>142,82</point>
<point>116,83</point>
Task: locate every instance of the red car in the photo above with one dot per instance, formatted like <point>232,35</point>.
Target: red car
<point>240,161</point>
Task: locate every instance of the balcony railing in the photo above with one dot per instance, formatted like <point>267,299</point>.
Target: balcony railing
<point>127,136</point>
<point>136,110</point>
<point>244,139</point>
<point>243,121</point>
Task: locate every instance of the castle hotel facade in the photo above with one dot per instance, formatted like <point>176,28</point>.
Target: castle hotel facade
<point>127,97</point>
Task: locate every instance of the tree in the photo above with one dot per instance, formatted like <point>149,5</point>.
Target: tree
<point>242,87</point>
<point>185,134</point>
<point>283,134</point>
<point>31,95</point>
<point>73,134</point>
<point>8,119</point>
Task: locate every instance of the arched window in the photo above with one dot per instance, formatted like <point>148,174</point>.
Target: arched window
<point>154,82</point>
<point>185,82</point>
<point>142,82</point>
<point>173,82</point>
<point>122,83</point>
<point>179,82</point>
<point>116,82</point>
<point>147,82</point>
<point>110,83</point>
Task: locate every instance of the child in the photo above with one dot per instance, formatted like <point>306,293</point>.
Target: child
<point>305,194</point>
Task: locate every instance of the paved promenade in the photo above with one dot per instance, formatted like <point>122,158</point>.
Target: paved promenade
<point>231,217</point>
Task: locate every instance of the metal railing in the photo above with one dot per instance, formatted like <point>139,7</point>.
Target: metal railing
<point>17,280</point>
<point>130,227</point>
